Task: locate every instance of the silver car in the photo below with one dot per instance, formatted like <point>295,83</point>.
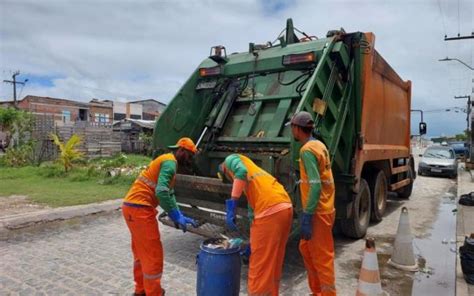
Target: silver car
<point>438,160</point>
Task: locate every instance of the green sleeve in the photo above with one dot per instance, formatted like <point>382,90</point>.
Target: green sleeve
<point>236,166</point>
<point>163,192</point>
<point>312,171</point>
<point>250,214</point>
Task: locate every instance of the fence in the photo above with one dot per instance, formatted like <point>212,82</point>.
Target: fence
<point>44,149</point>
<point>97,141</point>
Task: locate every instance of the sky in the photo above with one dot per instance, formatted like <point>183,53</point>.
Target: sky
<point>129,50</point>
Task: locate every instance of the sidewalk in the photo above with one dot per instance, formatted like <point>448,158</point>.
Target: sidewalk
<point>22,220</point>
<point>465,226</point>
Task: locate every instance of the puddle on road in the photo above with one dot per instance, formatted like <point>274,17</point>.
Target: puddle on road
<point>436,258</point>
<point>439,252</point>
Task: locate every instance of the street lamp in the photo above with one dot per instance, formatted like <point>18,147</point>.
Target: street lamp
<point>454,59</point>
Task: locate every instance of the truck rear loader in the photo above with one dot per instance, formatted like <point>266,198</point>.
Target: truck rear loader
<point>240,102</point>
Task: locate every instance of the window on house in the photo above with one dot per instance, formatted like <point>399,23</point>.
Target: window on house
<point>66,115</point>
<point>119,116</point>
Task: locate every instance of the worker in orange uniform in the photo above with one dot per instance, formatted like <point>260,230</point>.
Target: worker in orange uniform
<point>317,197</point>
<point>153,187</point>
<point>271,214</point>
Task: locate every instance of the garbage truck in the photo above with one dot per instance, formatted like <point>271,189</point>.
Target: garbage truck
<point>240,102</point>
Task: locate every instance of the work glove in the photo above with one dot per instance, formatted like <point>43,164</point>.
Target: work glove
<point>306,226</point>
<point>230,208</point>
<point>245,254</point>
<point>181,221</point>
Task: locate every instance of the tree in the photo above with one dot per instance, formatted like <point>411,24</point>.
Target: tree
<point>461,137</point>
<point>69,152</point>
<point>15,123</point>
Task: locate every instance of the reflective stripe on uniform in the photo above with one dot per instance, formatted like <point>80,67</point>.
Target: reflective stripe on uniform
<point>260,294</point>
<point>328,288</point>
<point>146,181</point>
<point>327,182</point>
<point>152,276</point>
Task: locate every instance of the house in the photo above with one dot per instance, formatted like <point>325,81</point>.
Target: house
<point>151,108</point>
<point>101,112</point>
<point>127,110</point>
<point>135,134</point>
<point>62,110</point>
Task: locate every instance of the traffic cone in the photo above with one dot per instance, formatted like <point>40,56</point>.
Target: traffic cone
<point>403,257</point>
<point>369,278</point>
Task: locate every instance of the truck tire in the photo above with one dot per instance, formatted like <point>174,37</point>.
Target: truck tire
<point>405,191</point>
<point>378,191</point>
<point>356,226</point>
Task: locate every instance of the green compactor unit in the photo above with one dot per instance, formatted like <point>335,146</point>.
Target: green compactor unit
<point>240,102</point>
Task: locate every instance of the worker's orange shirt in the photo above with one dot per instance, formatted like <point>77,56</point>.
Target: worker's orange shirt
<point>326,199</point>
<point>143,189</point>
<point>263,190</point>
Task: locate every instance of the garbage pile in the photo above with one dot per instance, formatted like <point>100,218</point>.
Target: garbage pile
<point>224,243</point>
<point>467,259</point>
<point>467,199</point>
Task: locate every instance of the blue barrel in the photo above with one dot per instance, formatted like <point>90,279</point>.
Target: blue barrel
<point>218,271</point>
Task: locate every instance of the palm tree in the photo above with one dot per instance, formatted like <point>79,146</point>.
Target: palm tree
<point>69,152</point>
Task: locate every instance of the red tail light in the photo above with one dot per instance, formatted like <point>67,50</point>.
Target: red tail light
<point>203,72</point>
<point>291,59</point>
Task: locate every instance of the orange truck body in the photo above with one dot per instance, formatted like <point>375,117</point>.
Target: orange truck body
<point>385,120</point>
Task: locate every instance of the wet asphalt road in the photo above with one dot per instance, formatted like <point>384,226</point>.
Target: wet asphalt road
<point>91,256</point>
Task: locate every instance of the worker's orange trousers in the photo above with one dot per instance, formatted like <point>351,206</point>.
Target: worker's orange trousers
<point>146,247</point>
<point>318,255</point>
<point>268,237</point>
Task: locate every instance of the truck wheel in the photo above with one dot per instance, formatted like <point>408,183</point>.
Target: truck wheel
<point>379,191</point>
<point>356,226</point>
<point>405,191</point>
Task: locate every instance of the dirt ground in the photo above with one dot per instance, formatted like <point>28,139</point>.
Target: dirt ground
<point>17,204</point>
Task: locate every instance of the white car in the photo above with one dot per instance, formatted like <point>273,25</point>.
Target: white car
<point>438,160</point>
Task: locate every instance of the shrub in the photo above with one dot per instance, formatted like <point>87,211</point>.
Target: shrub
<point>69,152</point>
<point>19,156</point>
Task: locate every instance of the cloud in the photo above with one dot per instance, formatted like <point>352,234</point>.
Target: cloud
<point>147,49</point>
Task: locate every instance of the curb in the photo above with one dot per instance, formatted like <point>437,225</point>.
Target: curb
<point>462,288</point>
<point>19,221</point>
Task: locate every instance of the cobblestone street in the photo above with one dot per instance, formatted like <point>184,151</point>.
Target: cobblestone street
<point>91,256</point>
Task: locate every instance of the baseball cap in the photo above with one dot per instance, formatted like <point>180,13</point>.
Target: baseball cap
<point>302,118</point>
<point>185,143</point>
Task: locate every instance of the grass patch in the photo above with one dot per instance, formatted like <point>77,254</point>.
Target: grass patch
<point>49,185</point>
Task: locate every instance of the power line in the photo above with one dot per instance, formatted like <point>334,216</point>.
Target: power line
<point>459,19</point>
<point>442,18</point>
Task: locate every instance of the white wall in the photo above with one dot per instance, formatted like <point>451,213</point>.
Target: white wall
<point>136,109</point>
<point>120,107</point>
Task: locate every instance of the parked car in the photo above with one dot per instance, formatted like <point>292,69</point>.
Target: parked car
<point>438,160</point>
<point>460,148</point>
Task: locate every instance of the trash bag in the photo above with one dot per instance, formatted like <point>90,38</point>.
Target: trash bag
<point>467,199</point>
<point>466,253</point>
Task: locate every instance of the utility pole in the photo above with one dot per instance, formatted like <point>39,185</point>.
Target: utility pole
<point>469,129</point>
<point>468,108</point>
<point>14,82</point>
<point>459,37</point>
